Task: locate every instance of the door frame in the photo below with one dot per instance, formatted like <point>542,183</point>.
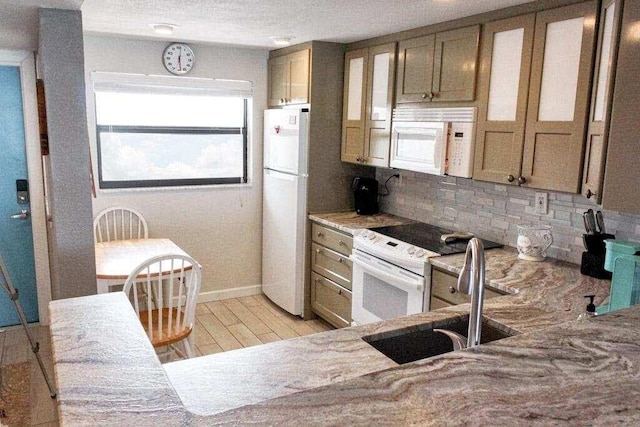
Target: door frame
<point>25,61</point>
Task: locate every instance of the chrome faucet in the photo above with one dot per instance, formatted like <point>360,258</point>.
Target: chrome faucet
<point>471,282</point>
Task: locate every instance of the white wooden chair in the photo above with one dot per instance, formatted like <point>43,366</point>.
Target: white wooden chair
<point>119,223</point>
<point>169,285</point>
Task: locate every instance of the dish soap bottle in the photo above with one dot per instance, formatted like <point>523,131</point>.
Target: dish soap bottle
<point>591,309</point>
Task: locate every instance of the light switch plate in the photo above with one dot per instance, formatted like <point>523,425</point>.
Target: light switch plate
<point>542,203</point>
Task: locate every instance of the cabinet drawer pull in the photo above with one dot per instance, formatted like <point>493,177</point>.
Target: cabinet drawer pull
<point>341,260</point>
<point>318,251</point>
<point>319,234</point>
<point>339,291</point>
<point>452,290</point>
<point>340,242</point>
<point>318,281</point>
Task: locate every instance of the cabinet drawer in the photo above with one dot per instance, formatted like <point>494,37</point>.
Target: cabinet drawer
<point>332,239</point>
<point>331,265</point>
<point>331,301</point>
<point>443,286</point>
<point>437,303</point>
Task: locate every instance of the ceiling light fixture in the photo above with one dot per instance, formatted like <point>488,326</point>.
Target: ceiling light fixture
<point>281,40</point>
<point>164,29</point>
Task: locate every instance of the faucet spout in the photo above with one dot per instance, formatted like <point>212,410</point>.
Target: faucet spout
<point>471,282</point>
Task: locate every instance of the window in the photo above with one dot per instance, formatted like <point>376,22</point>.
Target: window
<point>156,136</point>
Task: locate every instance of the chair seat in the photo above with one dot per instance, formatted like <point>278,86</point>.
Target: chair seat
<point>166,336</point>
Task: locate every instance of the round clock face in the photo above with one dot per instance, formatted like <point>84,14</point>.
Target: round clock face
<point>178,58</point>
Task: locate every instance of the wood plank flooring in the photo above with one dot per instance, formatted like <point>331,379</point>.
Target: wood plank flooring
<point>220,326</point>
<point>244,322</point>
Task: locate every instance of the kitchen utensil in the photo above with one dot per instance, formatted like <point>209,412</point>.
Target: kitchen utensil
<point>600,222</point>
<point>458,235</point>
<point>533,241</point>
<point>590,221</point>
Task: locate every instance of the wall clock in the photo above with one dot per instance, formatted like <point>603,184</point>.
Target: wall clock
<point>178,58</point>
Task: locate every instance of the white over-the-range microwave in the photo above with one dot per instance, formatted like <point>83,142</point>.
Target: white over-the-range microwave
<point>438,141</point>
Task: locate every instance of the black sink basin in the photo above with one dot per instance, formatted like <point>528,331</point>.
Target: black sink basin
<point>421,344</point>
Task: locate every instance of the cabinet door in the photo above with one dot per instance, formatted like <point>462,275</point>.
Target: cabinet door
<point>353,105</point>
<point>601,96</point>
<point>379,88</point>
<point>505,66</point>
<point>559,98</point>
<point>298,69</point>
<point>454,68</point>
<point>621,192</point>
<point>278,81</point>
<point>415,69</point>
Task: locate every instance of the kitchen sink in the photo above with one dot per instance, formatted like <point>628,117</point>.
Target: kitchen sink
<point>421,344</point>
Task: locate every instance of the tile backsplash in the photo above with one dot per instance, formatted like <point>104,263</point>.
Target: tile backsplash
<point>493,211</point>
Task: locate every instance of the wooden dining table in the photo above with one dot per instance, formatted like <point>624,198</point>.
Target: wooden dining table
<point>116,260</point>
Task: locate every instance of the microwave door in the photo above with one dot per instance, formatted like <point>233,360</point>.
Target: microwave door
<point>419,148</point>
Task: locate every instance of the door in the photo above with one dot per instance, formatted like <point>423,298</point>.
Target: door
<point>285,141</point>
<point>16,238</point>
<point>284,213</point>
<point>454,64</point>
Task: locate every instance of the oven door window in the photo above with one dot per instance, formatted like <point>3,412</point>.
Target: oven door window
<point>382,291</point>
<point>383,300</point>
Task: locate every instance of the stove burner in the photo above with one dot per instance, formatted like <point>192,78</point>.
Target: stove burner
<point>427,237</point>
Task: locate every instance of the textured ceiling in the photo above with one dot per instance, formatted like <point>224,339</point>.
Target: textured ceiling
<point>241,22</point>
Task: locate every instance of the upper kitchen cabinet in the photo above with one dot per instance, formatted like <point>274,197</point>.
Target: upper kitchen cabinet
<point>438,68</point>
<point>289,79</point>
<point>505,66</point>
<point>549,109</point>
<point>601,97</point>
<point>621,192</point>
<point>367,104</point>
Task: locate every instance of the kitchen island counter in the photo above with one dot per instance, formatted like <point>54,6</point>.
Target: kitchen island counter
<point>555,369</point>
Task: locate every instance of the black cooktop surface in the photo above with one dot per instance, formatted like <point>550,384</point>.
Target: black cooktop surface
<point>427,237</point>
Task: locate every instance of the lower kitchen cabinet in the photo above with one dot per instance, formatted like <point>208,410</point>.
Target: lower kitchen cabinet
<point>330,301</point>
<point>331,275</point>
<point>444,291</point>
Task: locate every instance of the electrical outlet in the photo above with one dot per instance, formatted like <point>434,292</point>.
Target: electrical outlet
<point>542,203</point>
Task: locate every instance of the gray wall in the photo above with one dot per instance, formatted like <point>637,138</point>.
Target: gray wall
<point>61,55</point>
<point>493,211</point>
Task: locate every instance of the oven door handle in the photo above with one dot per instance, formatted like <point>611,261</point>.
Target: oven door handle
<point>396,281</point>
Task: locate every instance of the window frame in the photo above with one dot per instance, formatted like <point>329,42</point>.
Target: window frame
<point>179,182</point>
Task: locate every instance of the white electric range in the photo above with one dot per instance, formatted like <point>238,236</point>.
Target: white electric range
<point>391,269</point>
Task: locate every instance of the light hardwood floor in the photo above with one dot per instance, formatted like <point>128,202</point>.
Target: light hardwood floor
<point>243,322</point>
<point>220,326</point>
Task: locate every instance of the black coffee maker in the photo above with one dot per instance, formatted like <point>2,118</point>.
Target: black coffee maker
<point>365,192</point>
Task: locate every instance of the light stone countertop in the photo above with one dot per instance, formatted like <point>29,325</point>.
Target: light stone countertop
<point>557,370</point>
<point>350,221</point>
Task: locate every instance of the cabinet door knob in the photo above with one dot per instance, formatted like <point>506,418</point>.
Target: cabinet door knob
<point>341,260</point>
<point>318,251</point>
<point>281,100</point>
<point>319,234</point>
<point>589,194</point>
<point>521,180</point>
<point>424,95</point>
<point>452,290</point>
<point>340,242</point>
<point>511,178</point>
<point>432,95</point>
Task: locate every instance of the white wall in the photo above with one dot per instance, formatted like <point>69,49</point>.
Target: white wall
<point>221,227</point>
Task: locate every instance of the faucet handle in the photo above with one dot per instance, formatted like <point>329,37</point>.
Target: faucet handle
<point>459,341</point>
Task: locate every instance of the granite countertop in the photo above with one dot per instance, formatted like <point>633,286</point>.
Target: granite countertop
<point>555,370</point>
<point>351,221</point>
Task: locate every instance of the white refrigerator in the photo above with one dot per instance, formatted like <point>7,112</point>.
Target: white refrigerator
<point>284,208</point>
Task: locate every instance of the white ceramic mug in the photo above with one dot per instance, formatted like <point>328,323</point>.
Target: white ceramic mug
<point>533,242</point>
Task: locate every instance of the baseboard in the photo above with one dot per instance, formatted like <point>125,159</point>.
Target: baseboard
<point>243,291</point>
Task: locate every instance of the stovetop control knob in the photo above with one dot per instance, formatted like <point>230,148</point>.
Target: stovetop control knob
<point>372,235</point>
<point>364,233</point>
<point>420,253</point>
<point>411,249</point>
